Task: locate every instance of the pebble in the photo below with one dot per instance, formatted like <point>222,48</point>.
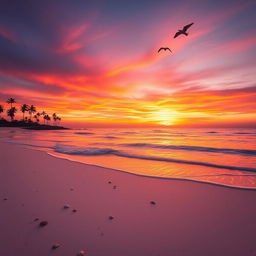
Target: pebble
<point>75,210</point>
<point>114,187</point>
<point>36,219</point>
<point>43,223</point>
<point>5,199</point>
<point>66,206</point>
<point>110,217</point>
<point>152,202</point>
<point>55,246</point>
<point>109,182</point>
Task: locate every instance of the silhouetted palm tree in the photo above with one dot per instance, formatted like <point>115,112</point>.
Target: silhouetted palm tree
<point>44,114</point>
<point>1,109</point>
<point>54,117</point>
<point>59,119</point>
<point>23,109</point>
<point>11,112</point>
<point>48,119</point>
<point>38,116</point>
<point>11,101</point>
<point>31,110</point>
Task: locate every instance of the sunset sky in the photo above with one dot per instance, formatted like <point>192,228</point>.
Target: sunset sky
<point>95,63</point>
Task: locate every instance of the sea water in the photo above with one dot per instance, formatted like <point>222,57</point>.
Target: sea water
<point>219,156</point>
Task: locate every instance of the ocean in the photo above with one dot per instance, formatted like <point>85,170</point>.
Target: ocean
<point>219,156</point>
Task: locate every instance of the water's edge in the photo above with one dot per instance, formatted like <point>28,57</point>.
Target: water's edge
<point>127,172</point>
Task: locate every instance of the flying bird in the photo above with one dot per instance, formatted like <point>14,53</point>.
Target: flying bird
<point>184,30</point>
<point>164,48</point>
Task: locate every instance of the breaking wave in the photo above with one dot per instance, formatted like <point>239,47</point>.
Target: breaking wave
<point>93,151</point>
<point>249,152</point>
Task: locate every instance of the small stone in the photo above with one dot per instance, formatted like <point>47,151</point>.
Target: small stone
<point>71,189</point>
<point>5,199</point>
<point>81,253</point>
<point>66,206</point>
<point>36,219</point>
<point>110,217</point>
<point>75,210</point>
<point>109,182</point>
<point>153,202</point>
<point>55,246</point>
<point>43,223</point>
<point>114,187</point>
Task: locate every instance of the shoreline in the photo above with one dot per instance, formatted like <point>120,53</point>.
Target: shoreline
<point>188,218</point>
<point>42,149</point>
<point>145,176</point>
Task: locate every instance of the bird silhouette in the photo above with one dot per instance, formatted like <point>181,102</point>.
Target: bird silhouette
<point>164,48</point>
<point>184,30</point>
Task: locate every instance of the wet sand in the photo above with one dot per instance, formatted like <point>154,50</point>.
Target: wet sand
<point>188,218</point>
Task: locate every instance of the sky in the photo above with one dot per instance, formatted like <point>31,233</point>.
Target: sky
<point>95,63</point>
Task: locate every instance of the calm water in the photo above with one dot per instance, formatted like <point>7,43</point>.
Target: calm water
<point>220,156</point>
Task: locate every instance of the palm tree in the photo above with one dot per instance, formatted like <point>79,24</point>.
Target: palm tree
<point>31,110</point>
<point>48,118</point>
<point>23,109</point>
<point>44,114</point>
<point>54,117</point>
<point>36,118</point>
<point>11,112</point>
<point>58,119</point>
<point>1,109</point>
<point>10,101</point>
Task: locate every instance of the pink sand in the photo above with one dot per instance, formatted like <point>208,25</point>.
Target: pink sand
<point>189,218</point>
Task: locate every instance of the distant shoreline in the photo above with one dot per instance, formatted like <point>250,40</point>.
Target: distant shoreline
<point>30,125</point>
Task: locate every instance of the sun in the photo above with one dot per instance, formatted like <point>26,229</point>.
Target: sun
<point>163,116</point>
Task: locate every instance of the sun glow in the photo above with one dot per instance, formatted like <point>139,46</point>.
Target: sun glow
<point>163,117</point>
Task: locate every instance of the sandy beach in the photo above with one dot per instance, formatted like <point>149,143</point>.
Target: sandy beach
<point>188,218</point>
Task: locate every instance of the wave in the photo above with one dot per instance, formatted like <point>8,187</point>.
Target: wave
<point>84,133</point>
<point>110,137</point>
<point>244,133</point>
<point>249,152</point>
<point>92,151</point>
<point>85,151</point>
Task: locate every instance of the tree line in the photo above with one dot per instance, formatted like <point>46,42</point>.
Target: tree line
<point>31,110</point>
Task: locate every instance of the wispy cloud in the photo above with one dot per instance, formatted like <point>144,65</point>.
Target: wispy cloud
<point>100,62</point>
